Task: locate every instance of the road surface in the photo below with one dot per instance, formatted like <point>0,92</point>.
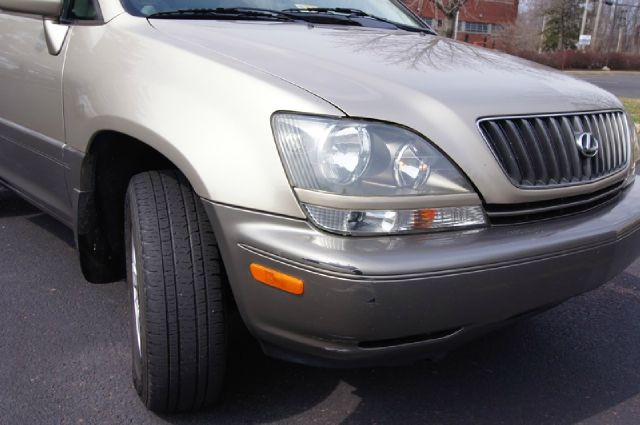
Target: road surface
<point>64,358</point>
<point>622,84</point>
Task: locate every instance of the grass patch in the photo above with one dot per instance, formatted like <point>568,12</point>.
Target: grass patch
<point>633,107</point>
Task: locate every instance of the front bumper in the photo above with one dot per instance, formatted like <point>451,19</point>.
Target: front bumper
<point>382,300</point>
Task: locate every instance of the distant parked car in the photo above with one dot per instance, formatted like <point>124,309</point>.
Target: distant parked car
<point>360,190</point>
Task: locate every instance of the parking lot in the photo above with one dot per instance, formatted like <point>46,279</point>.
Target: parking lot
<point>64,357</point>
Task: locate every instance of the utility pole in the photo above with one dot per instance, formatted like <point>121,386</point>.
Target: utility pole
<point>544,27</point>
<point>614,21</point>
<point>455,26</point>
<point>596,26</point>
<point>622,25</point>
<point>619,48</point>
<point>584,17</point>
<point>561,35</point>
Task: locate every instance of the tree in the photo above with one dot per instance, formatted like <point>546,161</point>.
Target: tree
<point>448,7</point>
<point>562,28</point>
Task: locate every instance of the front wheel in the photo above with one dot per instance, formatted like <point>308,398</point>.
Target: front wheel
<point>177,285</point>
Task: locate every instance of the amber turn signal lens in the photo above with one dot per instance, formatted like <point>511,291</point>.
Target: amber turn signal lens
<point>276,279</point>
<point>423,219</point>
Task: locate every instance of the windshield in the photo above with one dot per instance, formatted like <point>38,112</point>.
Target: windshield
<point>390,10</point>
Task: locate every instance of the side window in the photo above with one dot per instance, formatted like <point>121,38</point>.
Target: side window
<point>81,10</point>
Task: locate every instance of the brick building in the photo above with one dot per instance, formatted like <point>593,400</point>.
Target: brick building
<point>479,21</point>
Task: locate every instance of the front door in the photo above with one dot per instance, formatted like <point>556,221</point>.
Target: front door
<point>31,117</point>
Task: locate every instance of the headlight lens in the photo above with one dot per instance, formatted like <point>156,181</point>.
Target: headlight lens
<point>345,153</point>
<point>356,158</point>
<point>361,158</point>
<point>410,169</point>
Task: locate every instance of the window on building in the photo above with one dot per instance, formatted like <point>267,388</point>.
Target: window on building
<point>477,27</point>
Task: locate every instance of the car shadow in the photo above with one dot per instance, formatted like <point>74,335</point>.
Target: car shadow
<point>54,227</point>
<point>12,205</point>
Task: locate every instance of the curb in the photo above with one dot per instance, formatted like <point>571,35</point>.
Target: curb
<point>600,72</point>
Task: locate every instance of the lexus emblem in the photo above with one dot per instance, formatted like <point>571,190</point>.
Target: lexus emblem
<point>587,145</point>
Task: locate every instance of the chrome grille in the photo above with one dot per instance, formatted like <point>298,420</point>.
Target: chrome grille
<point>542,151</point>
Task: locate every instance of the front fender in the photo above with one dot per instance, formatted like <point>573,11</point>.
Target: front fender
<point>210,115</point>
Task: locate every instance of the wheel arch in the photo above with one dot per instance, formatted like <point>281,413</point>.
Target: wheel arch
<point>99,183</point>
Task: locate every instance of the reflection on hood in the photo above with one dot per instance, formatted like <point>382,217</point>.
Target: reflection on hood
<point>354,67</point>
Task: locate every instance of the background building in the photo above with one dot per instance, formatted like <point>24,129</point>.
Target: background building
<point>479,21</point>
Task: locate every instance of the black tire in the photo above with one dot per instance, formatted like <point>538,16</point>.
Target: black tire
<point>179,365</point>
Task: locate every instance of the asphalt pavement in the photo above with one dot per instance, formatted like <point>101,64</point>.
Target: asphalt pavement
<point>64,357</point>
<point>622,84</point>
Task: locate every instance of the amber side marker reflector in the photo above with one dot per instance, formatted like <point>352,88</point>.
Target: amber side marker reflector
<point>276,279</point>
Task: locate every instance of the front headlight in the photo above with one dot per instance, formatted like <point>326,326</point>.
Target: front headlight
<point>357,159</point>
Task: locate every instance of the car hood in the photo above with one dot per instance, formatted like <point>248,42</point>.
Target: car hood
<point>364,71</point>
<point>436,86</point>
